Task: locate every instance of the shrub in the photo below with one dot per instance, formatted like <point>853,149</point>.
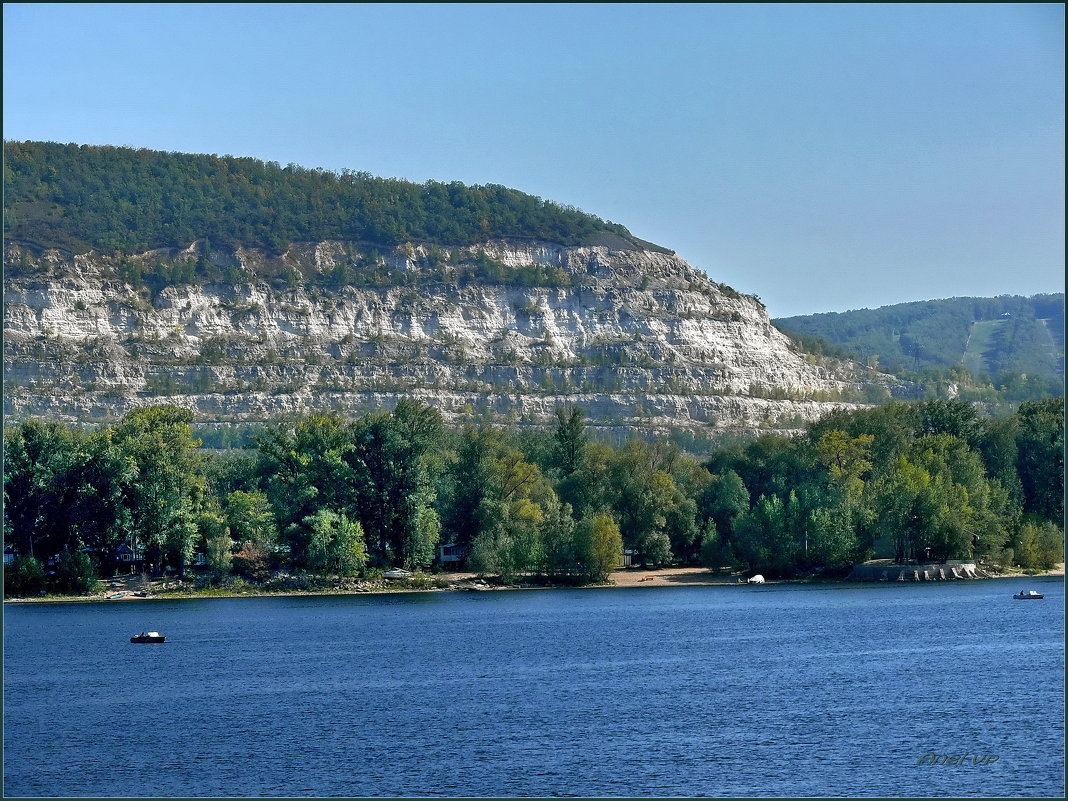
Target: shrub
<point>1038,547</point>
<point>24,576</point>
<point>74,573</point>
<point>252,562</point>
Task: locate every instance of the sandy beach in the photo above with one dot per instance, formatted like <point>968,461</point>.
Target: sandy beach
<point>132,588</point>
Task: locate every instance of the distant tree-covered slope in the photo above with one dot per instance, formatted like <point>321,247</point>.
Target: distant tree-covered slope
<point>989,336</point>
<point>121,199</point>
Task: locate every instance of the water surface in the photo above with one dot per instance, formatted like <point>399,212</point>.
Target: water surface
<point>767,691</point>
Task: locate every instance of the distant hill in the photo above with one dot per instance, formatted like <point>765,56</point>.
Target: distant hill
<point>111,199</point>
<point>992,337</point>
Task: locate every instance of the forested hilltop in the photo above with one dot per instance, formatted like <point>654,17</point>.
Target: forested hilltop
<point>112,199</point>
<point>1009,347</point>
<point>328,497</point>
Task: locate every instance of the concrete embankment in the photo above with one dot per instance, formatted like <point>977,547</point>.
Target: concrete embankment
<point>949,571</point>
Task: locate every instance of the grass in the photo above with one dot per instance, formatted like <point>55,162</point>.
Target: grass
<point>978,342</point>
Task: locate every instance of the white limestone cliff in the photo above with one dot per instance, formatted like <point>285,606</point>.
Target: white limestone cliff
<point>635,337</point>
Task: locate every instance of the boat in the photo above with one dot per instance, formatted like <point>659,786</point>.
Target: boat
<point>152,636</point>
<point>398,573</point>
<point>116,596</point>
<point>1027,595</point>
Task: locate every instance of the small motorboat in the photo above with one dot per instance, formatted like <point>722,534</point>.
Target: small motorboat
<point>398,573</point>
<point>151,636</point>
<point>116,596</point>
<point>1027,595</point>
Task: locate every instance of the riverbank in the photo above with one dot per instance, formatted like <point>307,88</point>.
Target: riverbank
<point>134,588</point>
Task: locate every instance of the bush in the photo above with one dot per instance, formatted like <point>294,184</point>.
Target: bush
<point>295,582</point>
<point>252,562</point>
<point>228,584</point>
<point>1039,547</point>
<point>337,544</point>
<point>422,581</point>
<point>24,576</point>
<point>74,573</point>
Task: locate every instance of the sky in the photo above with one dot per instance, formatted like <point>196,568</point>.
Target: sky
<point>822,157</point>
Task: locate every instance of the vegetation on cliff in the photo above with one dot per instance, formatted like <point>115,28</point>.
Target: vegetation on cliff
<point>117,199</point>
<point>929,480</point>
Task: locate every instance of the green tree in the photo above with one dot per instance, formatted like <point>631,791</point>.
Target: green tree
<point>218,546</point>
<point>304,467</point>
<point>598,546</point>
<point>74,573</point>
<point>394,459</point>
<point>956,418</point>
<point>470,483</point>
<point>847,459</point>
<point>336,545</point>
<point>169,484</point>
<point>892,426</point>
<point>589,489</point>
<point>714,554</point>
<point>558,544</point>
<point>250,519</point>
<point>1049,546</point>
<point>510,541</point>
<point>39,458</point>
<point>65,490</point>
<point>570,439</point>
<point>423,539</point>
<point>649,505</point>
<point>926,513</point>
<point>114,199</point>
<point>100,513</point>
<point>999,452</point>
<point>1038,546</point>
<point>763,538</point>
<point>723,501</point>
<point>1040,460</point>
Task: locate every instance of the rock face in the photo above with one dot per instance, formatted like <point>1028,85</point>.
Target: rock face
<point>635,337</point>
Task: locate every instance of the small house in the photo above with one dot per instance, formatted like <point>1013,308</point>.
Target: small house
<point>451,553</point>
<point>128,555</point>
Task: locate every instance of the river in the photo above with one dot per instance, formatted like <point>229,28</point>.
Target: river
<point>781,690</point>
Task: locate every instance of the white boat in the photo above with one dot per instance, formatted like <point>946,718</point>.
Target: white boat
<point>1026,595</point>
<point>399,573</point>
<point>152,636</point>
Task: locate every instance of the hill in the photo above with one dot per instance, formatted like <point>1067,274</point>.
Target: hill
<point>998,338</point>
<point>246,291</point>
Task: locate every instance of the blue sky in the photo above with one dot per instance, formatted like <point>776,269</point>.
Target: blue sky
<point>822,157</point>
